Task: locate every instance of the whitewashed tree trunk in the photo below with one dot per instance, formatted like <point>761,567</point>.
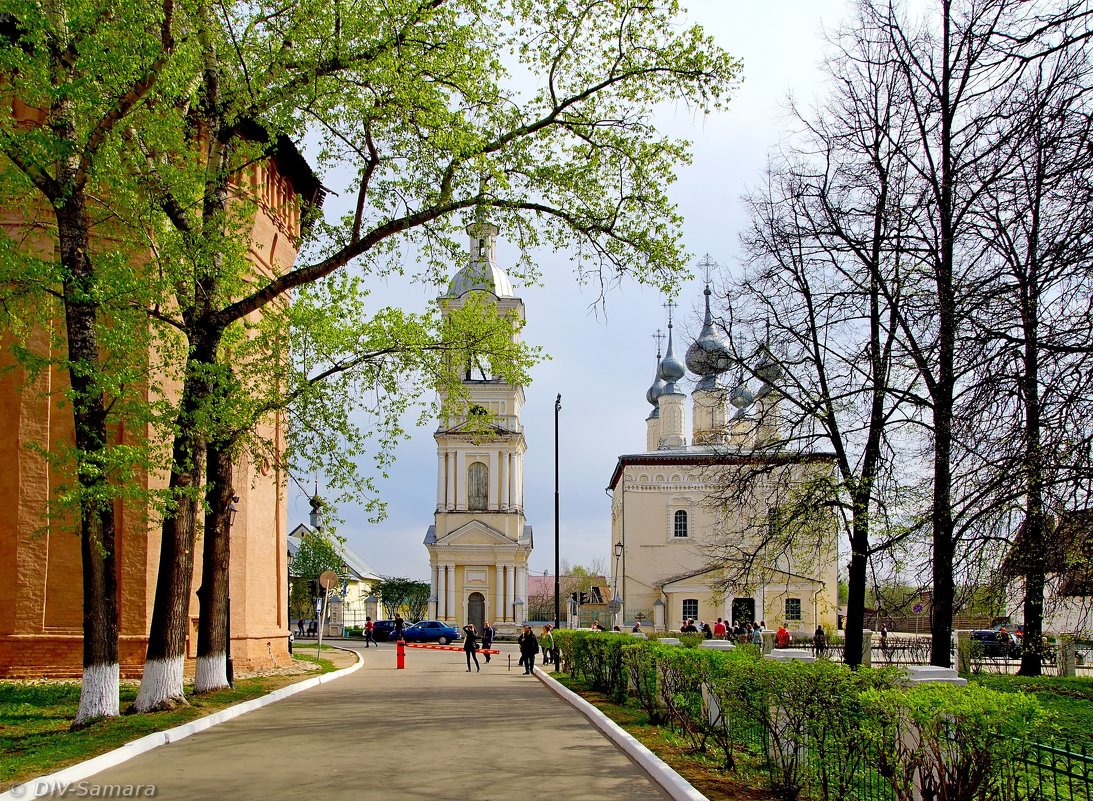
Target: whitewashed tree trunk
<point>161,685</point>
<point>212,673</point>
<point>99,693</point>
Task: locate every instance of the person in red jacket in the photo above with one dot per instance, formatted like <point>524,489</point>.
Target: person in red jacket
<point>782,638</point>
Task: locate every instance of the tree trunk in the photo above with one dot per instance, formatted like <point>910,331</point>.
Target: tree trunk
<point>99,692</point>
<point>161,684</point>
<point>214,595</point>
<point>854,624</point>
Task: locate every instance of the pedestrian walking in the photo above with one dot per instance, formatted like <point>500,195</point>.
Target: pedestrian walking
<point>370,633</point>
<point>819,641</point>
<point>543,644</point>
<point>300,627</point>
<point>550,647</point>
<point>396,631</point>
<point>487,639</point>
<point>470,646</point>
<point>529,647</point>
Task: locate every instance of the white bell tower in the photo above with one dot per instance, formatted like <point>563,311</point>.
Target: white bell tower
<point>480,542</point>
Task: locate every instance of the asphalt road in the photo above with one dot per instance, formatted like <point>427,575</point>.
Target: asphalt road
<point>427,733</point>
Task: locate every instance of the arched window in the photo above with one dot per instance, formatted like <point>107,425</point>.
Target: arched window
<point>478,483</point>
<point>679,528</point>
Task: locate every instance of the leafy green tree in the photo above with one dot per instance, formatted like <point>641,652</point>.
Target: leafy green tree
<point>437,112</point>
<point>415,103</point>
<point>400,595</point>
<point>77,73</point>
<point>318,552</point>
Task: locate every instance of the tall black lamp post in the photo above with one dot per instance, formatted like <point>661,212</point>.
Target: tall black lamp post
<point>232,512</point>
<point>557,561</point>
<point>616,602</point>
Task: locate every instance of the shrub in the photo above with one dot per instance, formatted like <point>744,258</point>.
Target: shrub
<point>955,743</point>
<point>810,717</point>
<point>639,663</point>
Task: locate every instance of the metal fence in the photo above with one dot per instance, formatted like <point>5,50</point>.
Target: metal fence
<point>1040,772</point>
<point>1051,773</point>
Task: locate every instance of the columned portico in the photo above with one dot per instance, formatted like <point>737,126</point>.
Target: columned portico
<point>479,542</point>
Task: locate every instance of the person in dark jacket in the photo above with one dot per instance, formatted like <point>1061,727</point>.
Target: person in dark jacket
<point>487,639</point>
<point>396,631</point>
<point>470,645</point>
<point>529,647</point>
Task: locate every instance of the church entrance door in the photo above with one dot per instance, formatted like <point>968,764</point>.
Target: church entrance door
<point>743,610</point>
<point>476,610</point>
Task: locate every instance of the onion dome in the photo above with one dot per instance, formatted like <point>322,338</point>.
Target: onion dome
<point>671,369</point>
<point>482,273</point>
<point>741,396</point>
<point>657,387</point>
<point>710,354</point>
<point>767,368</point>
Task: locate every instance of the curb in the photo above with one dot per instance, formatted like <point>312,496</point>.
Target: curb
<point>49,785</point>
<point>675,785</point>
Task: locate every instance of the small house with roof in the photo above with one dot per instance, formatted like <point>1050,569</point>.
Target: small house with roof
<point>358,579</point>
<point>1068,589</point>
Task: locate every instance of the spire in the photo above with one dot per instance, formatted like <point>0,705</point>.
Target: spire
<point>671,368</point>
<point>657,387</point>
<point>482,273</point>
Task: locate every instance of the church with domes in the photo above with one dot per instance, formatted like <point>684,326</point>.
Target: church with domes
<point>679,512</point>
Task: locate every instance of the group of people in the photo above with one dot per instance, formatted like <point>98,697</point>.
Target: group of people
<point>471,645</point>
<point>743,633</point>
<point>307,628</point>
<point>530,646</point>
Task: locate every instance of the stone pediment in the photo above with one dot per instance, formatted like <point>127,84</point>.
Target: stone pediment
<point>475,533</point>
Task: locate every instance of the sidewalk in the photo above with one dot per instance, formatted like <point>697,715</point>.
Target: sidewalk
<point>428,733</point>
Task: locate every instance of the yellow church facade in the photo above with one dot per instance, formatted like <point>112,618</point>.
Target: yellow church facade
<point>692,540</point>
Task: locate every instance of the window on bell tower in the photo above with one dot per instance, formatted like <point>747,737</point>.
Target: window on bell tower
<point>478,482</point>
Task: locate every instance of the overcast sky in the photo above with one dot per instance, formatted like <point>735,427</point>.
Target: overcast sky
<point>602,361</point>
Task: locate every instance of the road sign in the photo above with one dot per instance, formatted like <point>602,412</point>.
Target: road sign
<point>328,580</point>
<point>917,609</point>
<point>318,605</point>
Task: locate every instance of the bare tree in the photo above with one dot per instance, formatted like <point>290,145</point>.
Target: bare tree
<point>1034,322</point>
<point>826,234</point>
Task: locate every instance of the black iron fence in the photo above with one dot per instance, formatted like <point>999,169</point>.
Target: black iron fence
<point>1051,773</point>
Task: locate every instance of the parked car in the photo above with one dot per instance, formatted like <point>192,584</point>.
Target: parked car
<point>987,642</point>
<point>381,630</point>
<point>432,631</point>
<point>1017,630</point>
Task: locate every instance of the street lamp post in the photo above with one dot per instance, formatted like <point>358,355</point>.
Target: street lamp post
<point>232,512</point>
<point>557,560</point>
<point>615,578</point>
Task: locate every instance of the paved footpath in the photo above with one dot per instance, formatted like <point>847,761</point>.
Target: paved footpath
<point>427,733</point>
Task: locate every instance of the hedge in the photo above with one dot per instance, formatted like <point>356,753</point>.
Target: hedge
<point>819,728</point>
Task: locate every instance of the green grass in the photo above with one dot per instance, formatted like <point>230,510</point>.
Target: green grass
<point>35,738</point>
<point>705,771</point>
<point>1070,701</point>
